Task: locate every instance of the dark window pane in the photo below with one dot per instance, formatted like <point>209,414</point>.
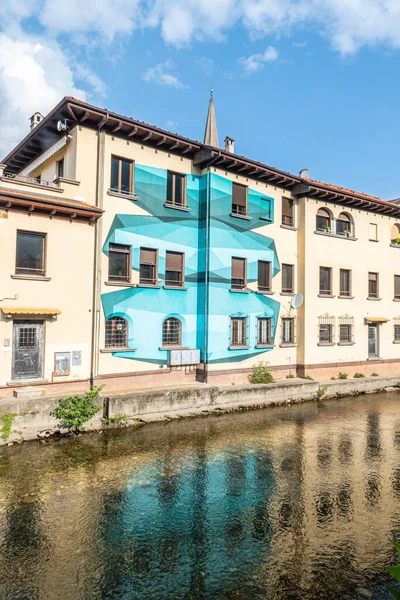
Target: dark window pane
<point>264,276</point>
<point>116,333</point>
<point>179,190</point>
<point>60,168</point>
<point>345,333</point>
<point>325,281</point>
<point>147,274</point>
<point>30,253</point>
<point>325,333</point>
<point>114,173</point>
<point>172,332</point>
<point>287,278</point>
<point>126,177</point>
<point>344,282</point>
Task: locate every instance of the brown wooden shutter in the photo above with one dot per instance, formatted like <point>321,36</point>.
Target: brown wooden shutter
<point>287,207</point>
<point>397,286</point>
<point>263,274</point>
<point>147,256</point>
<point>174,261</point>
<point>239,195</point>
<point>238,268</point>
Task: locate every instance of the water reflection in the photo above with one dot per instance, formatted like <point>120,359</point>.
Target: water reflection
<point>273,504</point>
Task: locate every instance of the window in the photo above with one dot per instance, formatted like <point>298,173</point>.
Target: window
<point>264,276</point>
<point>172,332</point>
<point>122,175</point>
<point>397,334</point>
<point>345,282</point>
<point>323,220</point>
<point>264,337</point>
<point>119,263</point>
<point>116,333</point>
<point>287,279</point>
<point>373,232</point>
<point>287,212</point>
<point>60,168</point>
<point>238,331</point>
<point>346,327</point>
<point>395,235</point>
<point>325,333</point>
<point>239,199</point>
<point>325,281</point>
<point>373,285</point>
<point>344,224</point>
<point>30,256</point>
<point>287,330</point>
<point>238,280</point>
<point>176,189</point>
<point>148,267</point>
<point>174,269</point>
<point>397,287</point>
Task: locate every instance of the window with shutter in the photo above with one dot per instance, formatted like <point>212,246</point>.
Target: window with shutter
<point>345,283</point>
<point>238,279</point>
<point>239,199</point>
<point>288,330</point>
<point>397,287</point>
<point>148,266</point>
<point>238,331</point>
<point>264,276</point>
<point>287,212</point>
<point>287,279</point>
<point>264,337</point>
<point>174,275</point>
<point>325,281</point>
<point>119,263</point>
<point>397,333</point>
<point>373,285</point>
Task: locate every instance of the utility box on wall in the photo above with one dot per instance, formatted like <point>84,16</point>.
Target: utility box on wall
<point>180,358</point>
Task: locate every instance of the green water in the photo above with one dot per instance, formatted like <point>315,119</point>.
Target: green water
<point>286,503</point>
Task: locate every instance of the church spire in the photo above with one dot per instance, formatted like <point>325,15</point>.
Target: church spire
<point>211,134</point>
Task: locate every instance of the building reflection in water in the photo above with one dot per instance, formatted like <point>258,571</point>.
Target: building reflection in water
<point>280,504</point>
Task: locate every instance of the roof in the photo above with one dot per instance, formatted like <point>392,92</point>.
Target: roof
<point>18,310</point>
<point>41,204</point>
<point>77,112</point>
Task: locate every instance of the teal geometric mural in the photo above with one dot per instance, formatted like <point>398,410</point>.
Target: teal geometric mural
<point>166,229</point>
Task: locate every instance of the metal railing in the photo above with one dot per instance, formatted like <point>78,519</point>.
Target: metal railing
<point>26,179</point>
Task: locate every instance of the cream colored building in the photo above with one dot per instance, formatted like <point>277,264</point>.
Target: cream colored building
<point>191,271</point>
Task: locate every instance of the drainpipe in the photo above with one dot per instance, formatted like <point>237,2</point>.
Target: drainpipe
<point>98,232</point>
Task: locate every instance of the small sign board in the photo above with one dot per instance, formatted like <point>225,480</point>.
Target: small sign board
<point>62,361</point>
<point>184,357</point>
<point>76,358</point>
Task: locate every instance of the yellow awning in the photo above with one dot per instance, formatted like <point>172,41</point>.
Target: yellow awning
<point>19,310</point>
<point>376,320</point>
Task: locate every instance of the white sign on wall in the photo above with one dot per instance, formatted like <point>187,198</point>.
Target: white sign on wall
<point>184,357</point>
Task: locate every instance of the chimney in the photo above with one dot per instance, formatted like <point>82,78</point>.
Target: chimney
<point>305,174</point>
<point>230,145</point>
<point>35,119</point>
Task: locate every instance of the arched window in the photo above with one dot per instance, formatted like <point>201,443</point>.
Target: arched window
<point>344,224</point>
<point>323,220</point>
<point>116,333</point>
<point>395,235</point>
<point>172,332</point>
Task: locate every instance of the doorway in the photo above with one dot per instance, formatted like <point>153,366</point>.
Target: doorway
<point>27,361</point>
<point>373,341</point>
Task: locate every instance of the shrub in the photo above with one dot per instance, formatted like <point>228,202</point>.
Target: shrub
<point>358,375</point>
<point>74,411</point>
<point>321,392</point>
<point>7,423</point>
<point>308,377</point>
<point>333,378</point>
<point>375,375</point>
<point>395,573</point>
<point>289,376</point>
<point>261,373</point>
<point>343,375</point>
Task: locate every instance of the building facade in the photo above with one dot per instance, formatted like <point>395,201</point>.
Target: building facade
<point>190,263</point>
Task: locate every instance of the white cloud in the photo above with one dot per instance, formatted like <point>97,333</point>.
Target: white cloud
<point>159,75</point>
<point>206,65</point>
<point>299,44</point>
<point>255,62</point>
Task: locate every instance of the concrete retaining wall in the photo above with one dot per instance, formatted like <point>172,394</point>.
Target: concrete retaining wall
<point>32,416</point>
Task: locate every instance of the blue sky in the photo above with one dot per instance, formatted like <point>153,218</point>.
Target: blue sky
<point>297,83</point>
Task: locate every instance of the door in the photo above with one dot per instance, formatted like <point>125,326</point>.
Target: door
<point>372,340</point>
<point>27,349</point>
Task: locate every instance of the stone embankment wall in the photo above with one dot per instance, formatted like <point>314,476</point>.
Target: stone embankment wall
<point>31,417</point>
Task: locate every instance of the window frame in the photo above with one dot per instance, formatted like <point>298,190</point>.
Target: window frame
<point>259,342</point>
<point>154,280</point>
<point>288,291</point>
<point>131,163</point>
<point>164,342</point>
<point>27,271</point>
<point>235,205</point>
<point>234,343</point>
<point>396,278</point>
<point>328,220</point>
<point>171,202</point>
<point>328,339</point>
<point>373,295</point>
<point>268,286</point>
<point>60,168</point>
<point>327,292</point>
<point>110,336</point>
<point>292,334</point>
<point>396,336</point>
<point>236,286</point>
<point>181,284</point>
<point>343,293</point>
<point>290,218</point>
<point>374,227</point>
<point>128,262</point>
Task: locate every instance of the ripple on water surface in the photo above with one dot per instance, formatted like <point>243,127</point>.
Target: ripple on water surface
<point>287,503</point>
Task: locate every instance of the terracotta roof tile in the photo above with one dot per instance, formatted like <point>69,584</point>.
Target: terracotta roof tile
<point>45,198</point>
<point>19,310</point>
<point>342,190</point>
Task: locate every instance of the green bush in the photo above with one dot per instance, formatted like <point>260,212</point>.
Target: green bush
<point>342,375</point>
<point>261,373</point>
<point>375,375</point>
<point>321,392</point>
<point>308,377</point>
<point>290,376</point>
<point>358,375</point>
<point>7,419</point>
<point>74,411</point>
<point>395,572</point>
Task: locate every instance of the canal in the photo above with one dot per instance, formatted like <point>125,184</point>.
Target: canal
<point>296,502</point>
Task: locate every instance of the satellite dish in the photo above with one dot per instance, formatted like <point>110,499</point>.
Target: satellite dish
<point>297,301</point>
<point>62,125</point>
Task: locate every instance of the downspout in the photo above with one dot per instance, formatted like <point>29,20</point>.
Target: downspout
<point>98,230</point>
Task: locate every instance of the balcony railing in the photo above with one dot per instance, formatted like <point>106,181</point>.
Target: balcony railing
<point>29,180</point>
